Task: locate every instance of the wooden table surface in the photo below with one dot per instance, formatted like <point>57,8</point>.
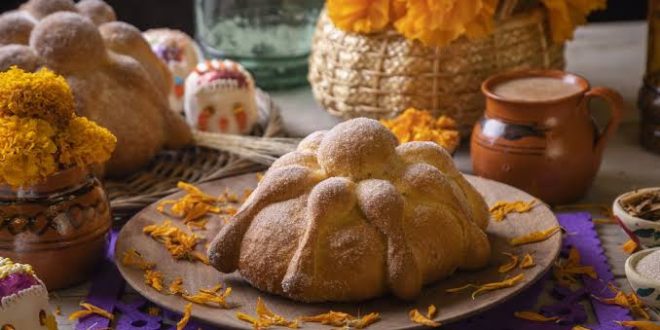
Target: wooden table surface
<point>607,54</point>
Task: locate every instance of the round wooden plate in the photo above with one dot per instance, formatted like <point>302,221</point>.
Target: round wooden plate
<point>393,312</point>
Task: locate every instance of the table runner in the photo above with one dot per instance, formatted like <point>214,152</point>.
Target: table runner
<point>108,287</point>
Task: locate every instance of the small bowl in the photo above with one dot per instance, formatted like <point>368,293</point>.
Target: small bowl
<point>647,289</point>
<point>645,233</point>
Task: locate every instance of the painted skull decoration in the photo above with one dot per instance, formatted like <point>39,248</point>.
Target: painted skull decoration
<point>220,98</point>
<point>181,54</point>
<point>23,299</point>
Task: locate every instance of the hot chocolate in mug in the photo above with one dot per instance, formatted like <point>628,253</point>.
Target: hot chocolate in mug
<point>538,134</point>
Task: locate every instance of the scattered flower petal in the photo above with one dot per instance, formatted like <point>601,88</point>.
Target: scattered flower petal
<point>89,309</point>
<point>176,287</point>
<point>132,258</point>
<point>629,246</point>
<point>501,209</point>
<point>431,311</point>
<point>510,265</point>
<point>630,301</point>
<point>527,262</point>
<point>534,237</point>
<point>185,318</point>
<point>417,317</point>
<point>154,279</point>
<point>498,285</point>
<point>534,316</point>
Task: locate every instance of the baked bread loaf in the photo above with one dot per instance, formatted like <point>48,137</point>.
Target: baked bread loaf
<point>116,79</point>
<point>351,215</point>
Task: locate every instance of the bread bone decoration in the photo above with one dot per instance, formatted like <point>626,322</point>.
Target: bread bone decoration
<point>180,53</point>
<point>23,299</point>
<point>117,80</point>
<point>351,215</point>
<point>221,98</point>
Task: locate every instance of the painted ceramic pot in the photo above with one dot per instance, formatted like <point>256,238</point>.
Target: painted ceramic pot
<point>550,149</point>
<point>645,233</point>
<point>59,226</point>
<point>221,98</point>
<point>647,289</point>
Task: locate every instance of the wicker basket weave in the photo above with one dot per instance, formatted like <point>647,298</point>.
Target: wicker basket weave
<point>380,75</point>
<point>195,165</point>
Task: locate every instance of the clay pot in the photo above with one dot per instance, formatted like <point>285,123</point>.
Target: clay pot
<point>59,226</point>
<point>550,149</point>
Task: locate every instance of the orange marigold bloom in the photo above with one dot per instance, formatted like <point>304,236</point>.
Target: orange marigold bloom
<point>360,16</point>
<point>437,23</point>
<point>566,15</point>
<point>41,95</point>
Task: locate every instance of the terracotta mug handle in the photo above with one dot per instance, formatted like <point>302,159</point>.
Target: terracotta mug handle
<point>616,105</point>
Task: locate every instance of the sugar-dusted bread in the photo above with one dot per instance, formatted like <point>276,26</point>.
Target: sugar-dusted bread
<point>117,80</point>
<point>351,215</point>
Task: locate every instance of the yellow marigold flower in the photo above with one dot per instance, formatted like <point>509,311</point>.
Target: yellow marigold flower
<point>566,15</point>
<point>39,131</point>
<point>27,151</point>
<point>83,142</point>
<point>437,23</point>
<point>360,16</point>
<point>43,95</point>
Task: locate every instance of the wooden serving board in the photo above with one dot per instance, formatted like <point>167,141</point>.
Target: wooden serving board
<point>394,312</point>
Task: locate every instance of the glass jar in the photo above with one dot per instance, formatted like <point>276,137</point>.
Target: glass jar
<point>59,226</point>
<point>271,38</point>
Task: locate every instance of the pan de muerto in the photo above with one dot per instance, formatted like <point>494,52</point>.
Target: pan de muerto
<point>116,79</point>
<point>352,215</point>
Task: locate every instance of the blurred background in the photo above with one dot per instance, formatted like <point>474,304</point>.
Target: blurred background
<point>178,14</point>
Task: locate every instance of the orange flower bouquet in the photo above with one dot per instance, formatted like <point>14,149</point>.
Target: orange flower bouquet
<point>376,58</point>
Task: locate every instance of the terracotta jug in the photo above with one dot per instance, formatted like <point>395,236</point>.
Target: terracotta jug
<point>59,226</point>
<point>552,148</point>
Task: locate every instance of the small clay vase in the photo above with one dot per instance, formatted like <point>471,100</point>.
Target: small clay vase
<point>59,226</point>
<point>551,149</point>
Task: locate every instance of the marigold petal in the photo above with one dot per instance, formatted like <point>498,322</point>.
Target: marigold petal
<point>534,316</point>
<point>417,317</point>
<point>534,237</point>
<point>185,318</point>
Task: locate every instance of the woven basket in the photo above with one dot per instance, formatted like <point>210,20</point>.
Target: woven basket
<point>195,165</point>
<point>380,75</point>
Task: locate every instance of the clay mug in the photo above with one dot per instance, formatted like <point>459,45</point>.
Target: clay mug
<point>550,148</point>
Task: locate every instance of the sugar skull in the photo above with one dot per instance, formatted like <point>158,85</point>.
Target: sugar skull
<point>23,299</point>
<point>220,98</point>
<point>180,53</point>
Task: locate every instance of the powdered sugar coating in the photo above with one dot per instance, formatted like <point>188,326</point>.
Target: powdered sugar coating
<point>349,201</point>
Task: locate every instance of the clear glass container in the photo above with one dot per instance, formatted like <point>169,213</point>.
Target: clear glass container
<point>271,38</point>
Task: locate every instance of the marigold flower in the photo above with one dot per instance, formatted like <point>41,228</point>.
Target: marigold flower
<point>83,142</point>
<point>43,95</point>
<point>39,132</point>
<point>566,15</point>
<point>437,23</point>
<point>360,16</point>
<point>27,150</point>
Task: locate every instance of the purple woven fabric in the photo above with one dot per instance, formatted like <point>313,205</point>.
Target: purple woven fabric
<point>108,285</point>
